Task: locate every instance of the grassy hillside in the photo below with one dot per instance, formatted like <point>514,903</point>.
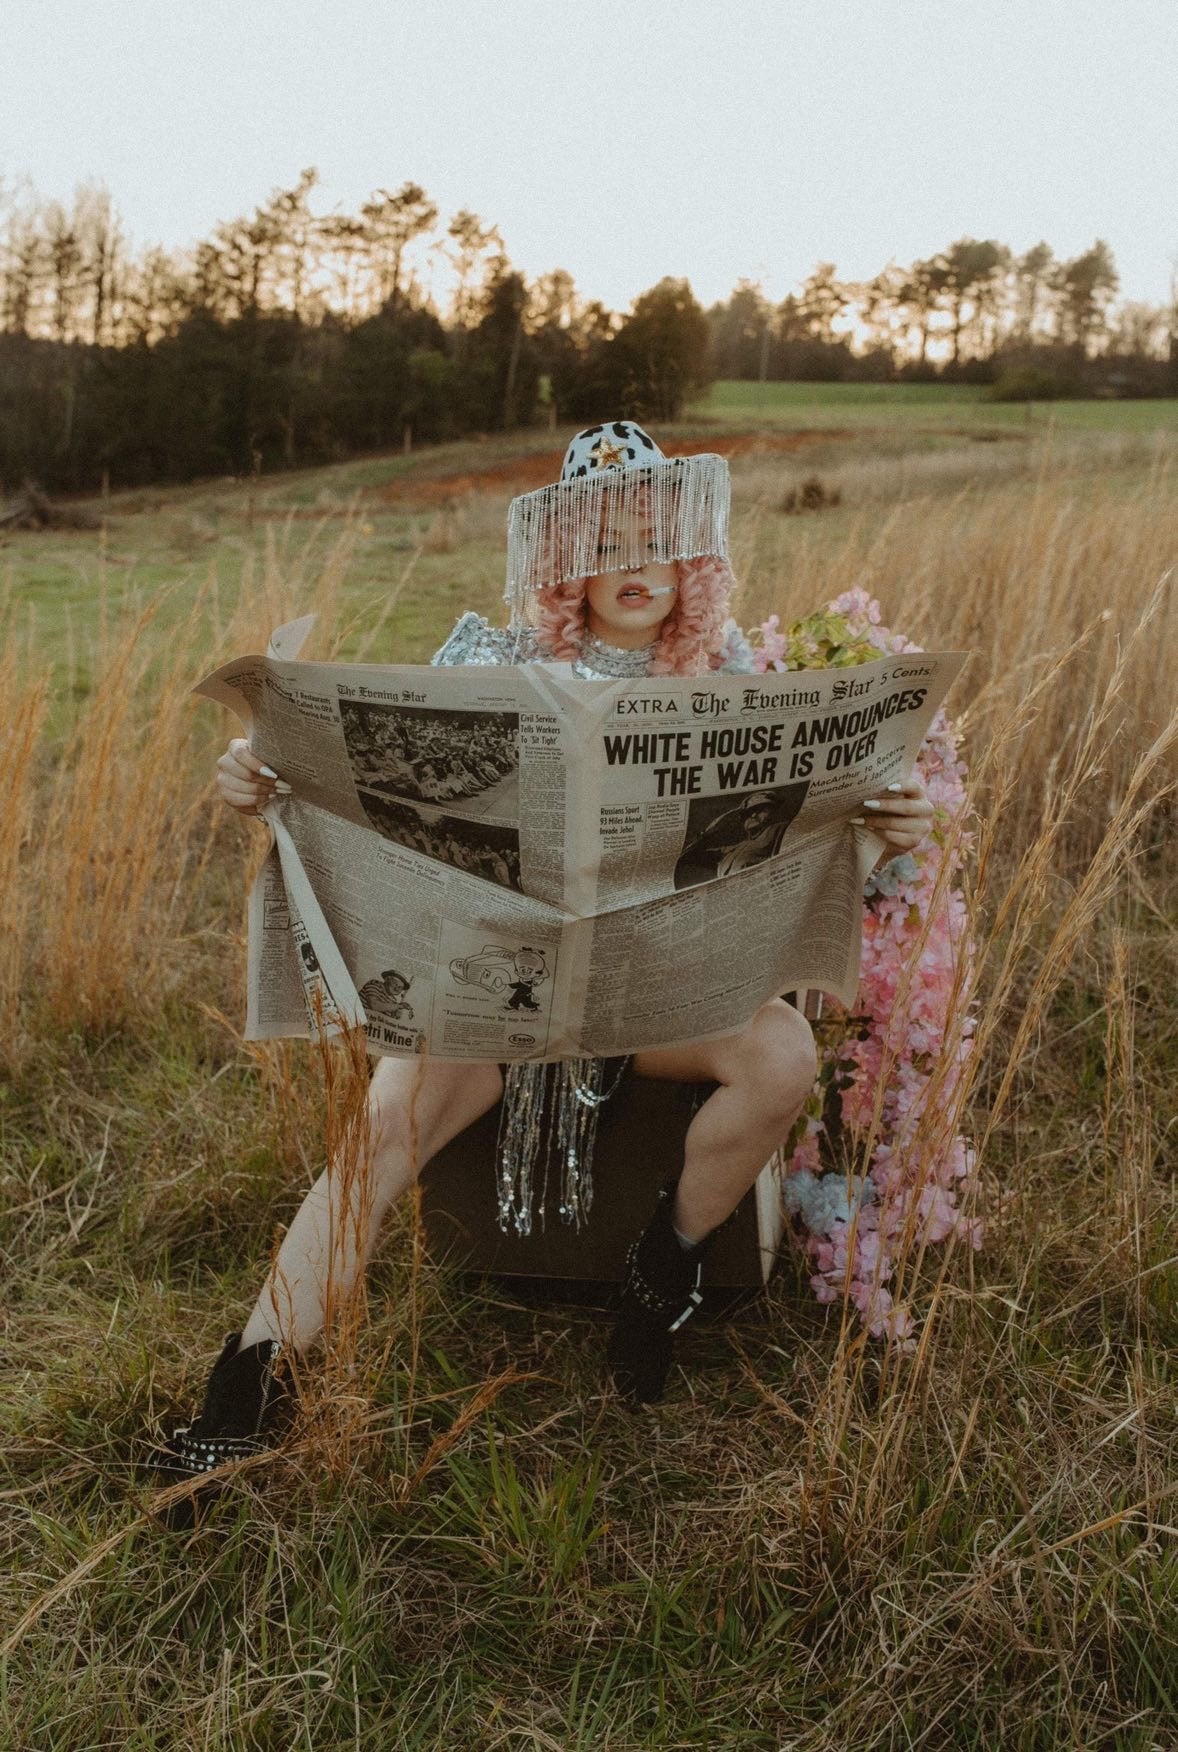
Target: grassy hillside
<point>813,1543</point>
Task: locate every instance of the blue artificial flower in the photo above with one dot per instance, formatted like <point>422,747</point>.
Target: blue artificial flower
<point>822,1200</point>
<point>887,879</point>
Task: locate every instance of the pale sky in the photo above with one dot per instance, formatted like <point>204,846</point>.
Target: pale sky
<point>619,140</point>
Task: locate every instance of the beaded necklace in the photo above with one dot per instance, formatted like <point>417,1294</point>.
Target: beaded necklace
<point>597,661</point>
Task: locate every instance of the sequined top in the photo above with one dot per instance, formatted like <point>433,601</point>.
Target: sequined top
<point>474,640</point>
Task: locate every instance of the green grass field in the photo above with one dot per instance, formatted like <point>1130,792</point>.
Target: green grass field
<point>933,405</point>
<point>812,1545</point>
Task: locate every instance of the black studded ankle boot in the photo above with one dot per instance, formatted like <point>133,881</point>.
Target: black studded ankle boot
<point>661,1292</point>
<point>247,1402</point>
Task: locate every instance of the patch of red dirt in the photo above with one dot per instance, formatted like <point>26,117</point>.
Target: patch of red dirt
<point>772,443</point>
<point>523,474</point>
<point>516,474</point>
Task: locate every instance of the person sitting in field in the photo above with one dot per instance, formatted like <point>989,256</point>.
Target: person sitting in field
<point>619,569</point>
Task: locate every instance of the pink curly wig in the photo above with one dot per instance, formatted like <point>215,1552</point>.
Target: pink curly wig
<point>692,635</point>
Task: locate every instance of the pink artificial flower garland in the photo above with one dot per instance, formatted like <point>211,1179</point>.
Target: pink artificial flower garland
<point>904,1042</point>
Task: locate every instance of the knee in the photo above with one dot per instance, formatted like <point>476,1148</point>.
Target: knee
<point>417,1105</point>
<point>781,1062</point>
<point>388,1110</point>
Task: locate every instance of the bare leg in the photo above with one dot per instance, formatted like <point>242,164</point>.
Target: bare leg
<point>415,1106</point>
<point>765,1073</point>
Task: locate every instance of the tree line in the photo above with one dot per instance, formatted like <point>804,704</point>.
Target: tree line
<point>975,311</point>
<point>291,337</point>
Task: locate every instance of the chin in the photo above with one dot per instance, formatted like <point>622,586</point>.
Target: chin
<point>650,629</point>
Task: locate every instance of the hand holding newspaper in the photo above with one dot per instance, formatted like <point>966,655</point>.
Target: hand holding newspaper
<point>512,863</point>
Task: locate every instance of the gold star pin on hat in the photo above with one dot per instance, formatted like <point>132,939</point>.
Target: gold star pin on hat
<point>606,454</point>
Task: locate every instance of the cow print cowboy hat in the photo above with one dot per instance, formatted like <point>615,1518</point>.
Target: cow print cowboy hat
<point>610,472</point>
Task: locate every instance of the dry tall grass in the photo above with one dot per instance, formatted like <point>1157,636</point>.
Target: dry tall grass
<point>1016,575</point>
<point>824,1545</point>
<point>106,829</point>
<point>26,699</point>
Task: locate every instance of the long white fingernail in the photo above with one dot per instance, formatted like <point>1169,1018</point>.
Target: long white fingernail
<point>281,786</point>
<point>858,821</point>
<point>269,773</point>
<point>896,787</point>
<point>872,803</point>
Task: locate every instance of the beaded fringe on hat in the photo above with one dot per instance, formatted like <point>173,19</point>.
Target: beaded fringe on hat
<point>553,535</point>
<point>549,1111</point>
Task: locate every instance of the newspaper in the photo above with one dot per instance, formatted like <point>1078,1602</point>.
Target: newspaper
<point>513,863</point>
